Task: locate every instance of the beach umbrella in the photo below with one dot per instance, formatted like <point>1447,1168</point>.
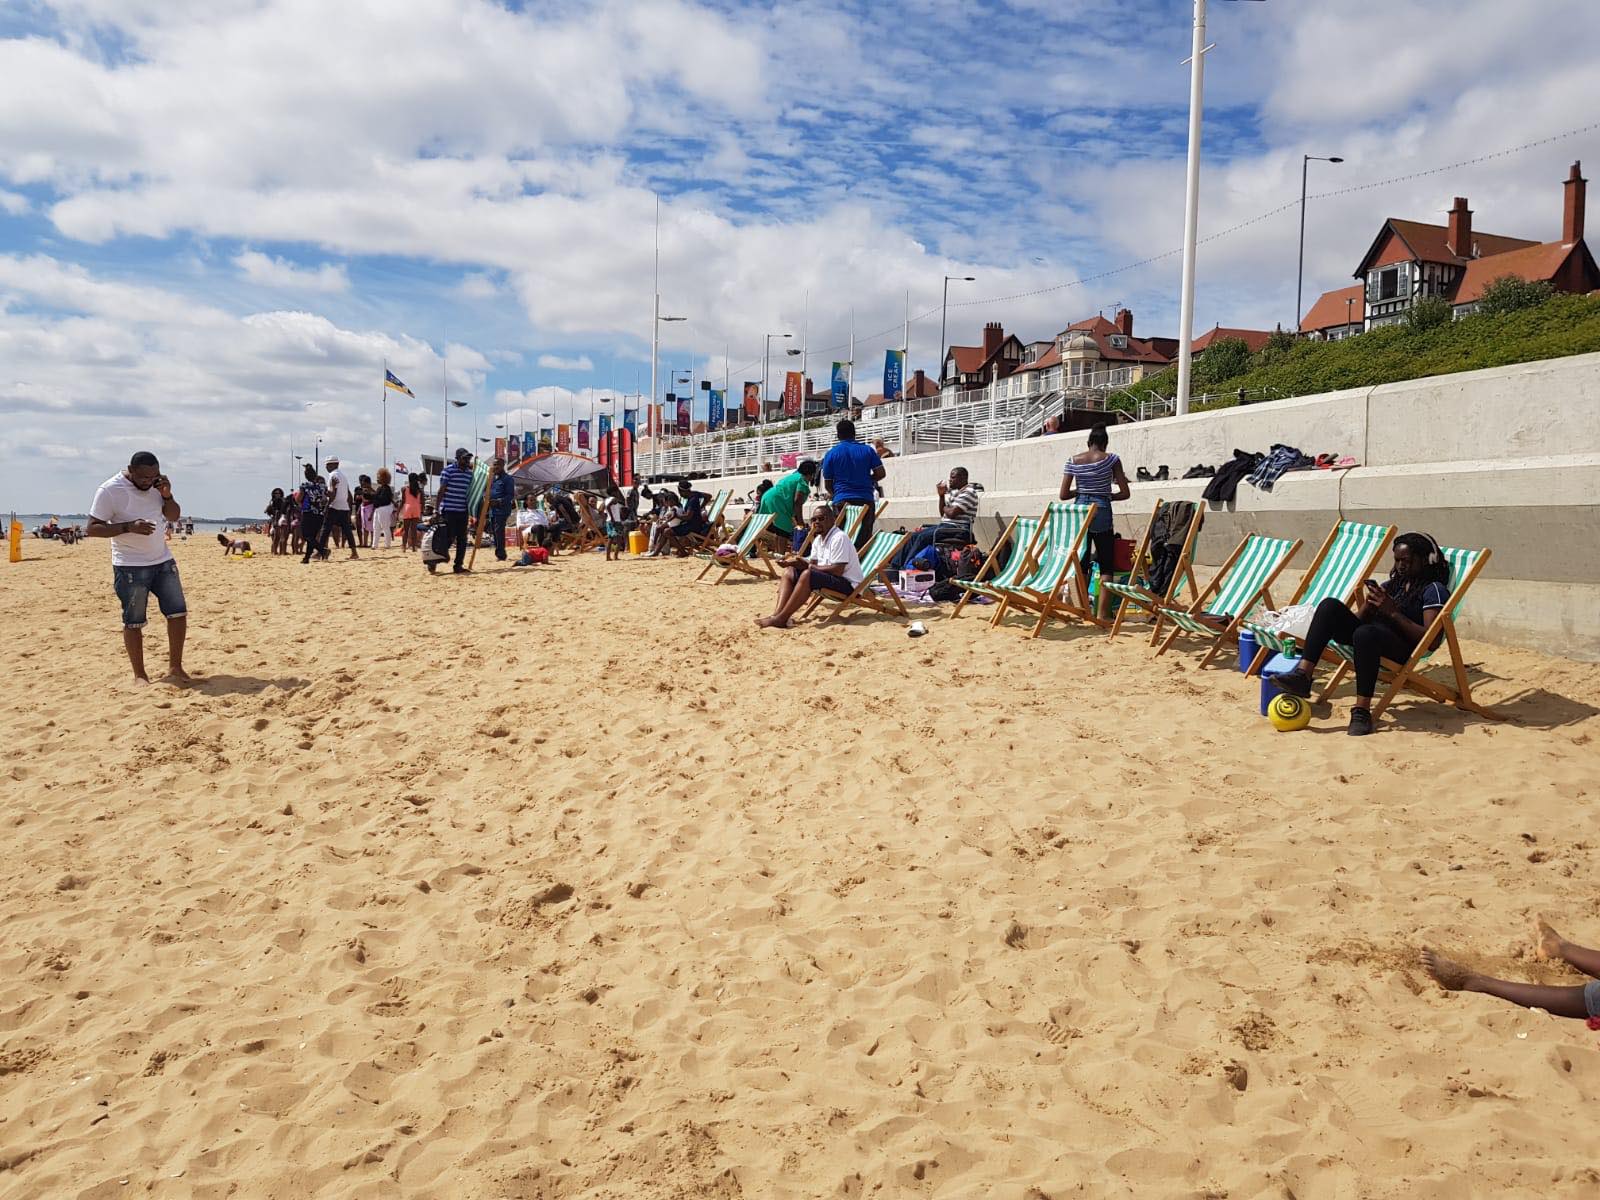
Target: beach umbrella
<point>559,467</point>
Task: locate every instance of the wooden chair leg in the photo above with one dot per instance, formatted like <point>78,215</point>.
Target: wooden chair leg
<point>1171,636</point>
<point>1339,673</point>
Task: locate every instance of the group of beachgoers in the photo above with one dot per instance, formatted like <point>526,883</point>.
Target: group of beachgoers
<point>327,513</point>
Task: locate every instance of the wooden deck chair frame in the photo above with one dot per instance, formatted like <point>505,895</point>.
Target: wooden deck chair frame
<point>1367,568</point>
<point>1050,602</point>
<point>748,552</point>
<point>588,535</point>
<point>716,524</point>
<point>1402,677</point>
<point>863,596</point>
<point>1135,598</point>
<point>990,565</point>
<point>1261,595</point>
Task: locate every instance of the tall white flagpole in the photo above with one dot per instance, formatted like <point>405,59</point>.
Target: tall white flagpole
<point>850,367</point>
<point>1191,206</point>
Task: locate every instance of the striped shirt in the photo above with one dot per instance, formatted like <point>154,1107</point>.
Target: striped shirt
<point>455,489</point>
<point>961,506</point>
<point>1095,479</point>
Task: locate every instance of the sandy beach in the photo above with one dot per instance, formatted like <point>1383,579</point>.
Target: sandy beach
<point>570,883</point>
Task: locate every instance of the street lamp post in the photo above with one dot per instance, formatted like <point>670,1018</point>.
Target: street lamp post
<point>944,304</point>
<point>655,345</point>
<point>1299,276</point>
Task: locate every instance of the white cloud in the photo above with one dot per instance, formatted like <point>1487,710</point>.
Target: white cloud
<point>477,285</point>
<point>554,362</point>
<point>271,272</point>
<point>13,204</point>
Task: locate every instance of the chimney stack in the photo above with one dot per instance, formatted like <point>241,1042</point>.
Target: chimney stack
<point>1125,322</point>
<point>1576,189</point>
<point>993,335</point>
<point>1459,235</point>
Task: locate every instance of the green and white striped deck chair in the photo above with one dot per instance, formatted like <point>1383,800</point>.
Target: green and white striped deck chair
<point>1465,566</point>
<point>1242,583</point>
<point>876,555</point>
<point>716,526</point>
<point>1138,598</point>
<point>1055,587</point>
<point>1019,536</point>
<point>749,550</point>
<point>1349,555</point>
<point>731,535</point>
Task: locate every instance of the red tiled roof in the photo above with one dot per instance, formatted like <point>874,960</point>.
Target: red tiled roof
<point>1534,263</point>
<point>1255,339</point>
<point>1429,242</point>
<point>1329,312</point>
<point>969,359</point>
<point>1049,358</point>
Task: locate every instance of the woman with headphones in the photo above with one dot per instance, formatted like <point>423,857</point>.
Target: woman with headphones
<point>1394,615</point>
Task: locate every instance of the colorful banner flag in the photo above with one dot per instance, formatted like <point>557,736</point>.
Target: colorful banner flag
<point>583,433</point>
<point>563,437</point>
<point>714,414</point>
<point>752,400</point>
<point>605,423</point>
<point>546,440</point>
<point>841,385</point>
<point>530,444</point>
<point>684,423</point>
<point>500,448</point>
<point>630,421</point>
<point>400,467</point>
<point>793,393</point>
<point>392,382</point>
<point>894,375</point>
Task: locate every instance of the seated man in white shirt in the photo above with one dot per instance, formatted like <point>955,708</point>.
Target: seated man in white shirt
<point>831,565</point>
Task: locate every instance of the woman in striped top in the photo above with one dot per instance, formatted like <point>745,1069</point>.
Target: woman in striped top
<point>1096,477</point>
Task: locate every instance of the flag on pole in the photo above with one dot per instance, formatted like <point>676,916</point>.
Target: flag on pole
<point>685,424</point>
<point>752,400</point>
<point>630,420</point>
<point>841,385</point>
<point>583,433</point>
<point>392,382</point>
<point>714,413</point>
<point>530,444</point>
<point>563,437</point>
<point>793,393</point>
<point>605,424</point>
<point>401,467</point>
<point>500,448</point>
<point>894,375</point>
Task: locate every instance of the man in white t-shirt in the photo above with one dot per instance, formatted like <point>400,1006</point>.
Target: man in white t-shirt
<point>132,508</point>
<point>832,566</point>
<point>338,514</point>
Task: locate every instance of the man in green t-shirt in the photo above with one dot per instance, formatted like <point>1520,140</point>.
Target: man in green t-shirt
<point>786,501</point>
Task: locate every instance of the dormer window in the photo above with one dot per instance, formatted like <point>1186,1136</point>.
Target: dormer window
<point>1118,341</point>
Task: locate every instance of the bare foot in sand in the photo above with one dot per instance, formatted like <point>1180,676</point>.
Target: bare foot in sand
<point>1446,972</point>
<point>141,681</point>
<point>1548,945</point>
<point>179,678</point>
<point>772,623</point>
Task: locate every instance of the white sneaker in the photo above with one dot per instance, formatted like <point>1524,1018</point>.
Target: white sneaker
<point>917,629</point>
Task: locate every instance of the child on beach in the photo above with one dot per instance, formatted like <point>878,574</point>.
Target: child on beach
<point>232,545</point>
<point>616,524</point>
<point>1579,1001</point>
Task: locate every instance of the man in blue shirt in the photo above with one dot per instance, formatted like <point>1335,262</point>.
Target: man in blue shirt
<point>502,503</point>
<point>455,495</point>
<point>851,472</point>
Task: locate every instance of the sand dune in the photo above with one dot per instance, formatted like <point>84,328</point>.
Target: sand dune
<point>570,884</point>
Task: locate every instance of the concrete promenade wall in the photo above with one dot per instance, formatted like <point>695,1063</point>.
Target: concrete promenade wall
<point>1507,458</point>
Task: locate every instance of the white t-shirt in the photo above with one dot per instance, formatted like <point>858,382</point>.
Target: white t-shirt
<point>338,490</point>
<point>117,501</point>
<point>836,548</point>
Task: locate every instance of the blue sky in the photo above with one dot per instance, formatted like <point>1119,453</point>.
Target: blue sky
<point>218,220</point>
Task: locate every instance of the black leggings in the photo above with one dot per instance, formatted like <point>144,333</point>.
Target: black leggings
<point>1103,550</point>
<point>1371,640</point>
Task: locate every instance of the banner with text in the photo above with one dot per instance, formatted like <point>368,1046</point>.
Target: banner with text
<point>563,437</point>
<point>752,400</point>
<point>630,421</point>
<point>793,393</point>
<point>715,410</point>
<point>530,444</point>
<point>583,433</point>
<point>894,375</point>
<point>841,384</point>
<point>605,423</point>
<point>684,422</point>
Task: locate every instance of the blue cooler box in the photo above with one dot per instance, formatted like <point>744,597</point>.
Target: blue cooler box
<point>1278,662</point>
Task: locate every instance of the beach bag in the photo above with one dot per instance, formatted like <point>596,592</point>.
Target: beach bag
<point>1292,622</point>
<point>437,548</point>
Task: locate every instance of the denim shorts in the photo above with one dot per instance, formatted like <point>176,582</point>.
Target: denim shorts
<point>135,584</point>
<point>1591,997</point>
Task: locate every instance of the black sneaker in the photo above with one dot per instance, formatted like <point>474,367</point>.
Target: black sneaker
<point>1360,722</point>
<point>1163,474</point>
<point>1296,683</point>
<point>1143,475</point>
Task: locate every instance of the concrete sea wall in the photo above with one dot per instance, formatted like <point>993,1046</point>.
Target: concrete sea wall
<point>1507,458</point>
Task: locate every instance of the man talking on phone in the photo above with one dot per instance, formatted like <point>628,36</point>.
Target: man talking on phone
<point>132,508</point>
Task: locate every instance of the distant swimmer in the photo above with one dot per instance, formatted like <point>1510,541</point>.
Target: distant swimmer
<point>132,508</point>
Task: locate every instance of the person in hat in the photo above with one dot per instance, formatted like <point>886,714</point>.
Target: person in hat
<point>338,514</point>
<point>455,496</point>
